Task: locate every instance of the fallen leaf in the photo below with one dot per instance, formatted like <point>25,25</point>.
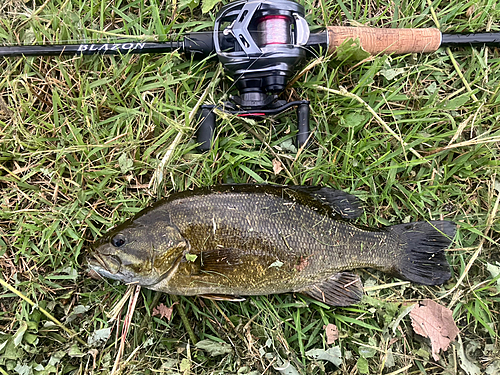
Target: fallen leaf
<point>214,348</point>
<point>18,336</point>
<point>466,364</point>
<point>495,271</point>
<point>334,355</point>
<point>286,368</point>
<point>77,311</point>
<point>470,11</point>
<point>430,319</point>
<point>125,163</point>
<point>332,333</point>
<point>277,166</point>
<point>494,368</point>
<point>23,369</point>
<point>164,311</point>
<point>75,352</point>
<point>99,337</point>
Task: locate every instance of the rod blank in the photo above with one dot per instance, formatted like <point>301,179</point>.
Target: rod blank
<point>460,40</point>
<point>90,49</point>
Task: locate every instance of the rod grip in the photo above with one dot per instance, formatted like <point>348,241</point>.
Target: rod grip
<point>389,41</point>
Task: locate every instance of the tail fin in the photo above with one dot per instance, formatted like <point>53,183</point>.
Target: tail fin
<point>423,259</point>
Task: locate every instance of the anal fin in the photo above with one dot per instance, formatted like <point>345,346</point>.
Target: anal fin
<point>341,289</point>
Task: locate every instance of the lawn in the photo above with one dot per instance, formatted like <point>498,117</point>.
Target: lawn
<point>86,142</point>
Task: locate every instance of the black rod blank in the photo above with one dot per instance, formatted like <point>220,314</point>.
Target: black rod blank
<point>90,49</point>
<point>200,43</point>
<point>478,39</point>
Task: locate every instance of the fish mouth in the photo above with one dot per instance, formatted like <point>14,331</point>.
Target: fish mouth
<point>110,266</point>
<point>97,262</point>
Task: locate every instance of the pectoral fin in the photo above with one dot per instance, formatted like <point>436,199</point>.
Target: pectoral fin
<point>341,289</point>
<point>225,260</point>
<point>220,260</point>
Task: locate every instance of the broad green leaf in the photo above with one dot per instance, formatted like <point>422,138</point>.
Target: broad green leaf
<point>362,365</point>
<point>351,50</point>
<point>208,5</point>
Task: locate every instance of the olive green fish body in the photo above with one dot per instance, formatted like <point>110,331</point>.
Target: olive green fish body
<point>253,240</point>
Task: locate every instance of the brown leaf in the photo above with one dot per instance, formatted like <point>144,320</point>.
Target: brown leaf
<point>332,333</point>
<point>430,319</point>
<point>164,311</point>
<point>277,166</point>
<point>470,11</point>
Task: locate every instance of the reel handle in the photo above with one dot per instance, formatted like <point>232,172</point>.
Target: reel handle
<point>303,124</point>
<point>376,41</point>
<point>206,127</point>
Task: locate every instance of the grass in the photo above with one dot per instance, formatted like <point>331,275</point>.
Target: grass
<point>88,142</point>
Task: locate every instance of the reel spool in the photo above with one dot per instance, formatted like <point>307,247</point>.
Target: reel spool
<point>259,43</point>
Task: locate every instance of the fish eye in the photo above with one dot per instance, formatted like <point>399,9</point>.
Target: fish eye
<point>118,240</point>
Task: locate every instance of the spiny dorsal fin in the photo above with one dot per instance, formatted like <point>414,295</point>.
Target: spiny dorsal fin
<point>346,205</point>
<point>341,289</point>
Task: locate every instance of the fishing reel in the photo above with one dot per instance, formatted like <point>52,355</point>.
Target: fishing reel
<point>259,43</point>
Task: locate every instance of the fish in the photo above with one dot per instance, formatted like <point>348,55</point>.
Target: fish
<point>231,241</point>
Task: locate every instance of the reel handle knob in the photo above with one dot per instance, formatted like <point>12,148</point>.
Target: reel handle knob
<point>206,129</point>
<point>303,124</point>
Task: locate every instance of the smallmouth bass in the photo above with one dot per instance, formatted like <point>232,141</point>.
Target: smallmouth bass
<point>240,240</point>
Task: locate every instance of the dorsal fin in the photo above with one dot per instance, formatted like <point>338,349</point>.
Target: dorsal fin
<point>346,205</point>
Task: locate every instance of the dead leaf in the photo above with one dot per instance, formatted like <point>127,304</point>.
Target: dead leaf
<point>430,319</point>
<point>332,333</point>
<point>164,311</point>
<point>277,166</point>
<point>333,355</point>
<point>470,11</point>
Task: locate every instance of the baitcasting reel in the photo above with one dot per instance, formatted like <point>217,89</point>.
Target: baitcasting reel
<point>259,43</point>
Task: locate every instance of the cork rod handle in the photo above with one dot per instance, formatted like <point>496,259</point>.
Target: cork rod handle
<point>389,41</point>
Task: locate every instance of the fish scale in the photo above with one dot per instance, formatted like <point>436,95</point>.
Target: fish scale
<point>252,240</point>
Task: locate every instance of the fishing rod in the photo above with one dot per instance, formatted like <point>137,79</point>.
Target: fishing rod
<point>260,43</point>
